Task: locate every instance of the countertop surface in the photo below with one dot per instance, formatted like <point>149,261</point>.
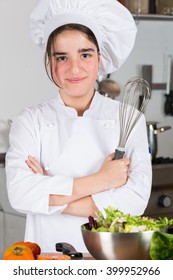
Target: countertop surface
<point>87,256</point>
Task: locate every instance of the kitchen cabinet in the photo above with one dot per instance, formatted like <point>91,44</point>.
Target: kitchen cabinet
<point>12,223</point>
<point>14,228</point>
<point>161,199</point>
<point>1,233</point>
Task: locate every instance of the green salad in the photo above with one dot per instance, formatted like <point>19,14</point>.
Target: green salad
<point>114,220</point>
<point>161,247</point>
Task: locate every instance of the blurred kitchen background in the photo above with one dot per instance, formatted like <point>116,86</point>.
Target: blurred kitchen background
<point>23,82</point>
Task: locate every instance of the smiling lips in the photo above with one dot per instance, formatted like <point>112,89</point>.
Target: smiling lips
<point>75,80</point>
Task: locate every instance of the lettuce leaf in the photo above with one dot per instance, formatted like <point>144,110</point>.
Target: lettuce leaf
<point>161,246</point>
<point>113,220</point>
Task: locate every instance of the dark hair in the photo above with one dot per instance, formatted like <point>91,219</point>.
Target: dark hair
<point>52,37</point>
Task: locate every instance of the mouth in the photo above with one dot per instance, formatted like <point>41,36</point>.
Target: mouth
<point>76,80</point>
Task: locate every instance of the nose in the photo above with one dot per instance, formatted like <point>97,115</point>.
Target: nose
<point>75,66</point>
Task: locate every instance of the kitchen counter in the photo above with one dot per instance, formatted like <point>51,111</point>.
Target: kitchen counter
<point>161,199</point>
<point>162,174</point>
<point>87,256</point>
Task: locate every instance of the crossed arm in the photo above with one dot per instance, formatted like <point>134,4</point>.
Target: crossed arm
<point>112,174</point>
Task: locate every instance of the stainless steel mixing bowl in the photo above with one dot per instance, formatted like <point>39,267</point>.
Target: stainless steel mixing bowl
<point>118,246</point>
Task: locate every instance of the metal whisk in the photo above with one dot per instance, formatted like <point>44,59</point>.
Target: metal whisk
<point>134,99</point>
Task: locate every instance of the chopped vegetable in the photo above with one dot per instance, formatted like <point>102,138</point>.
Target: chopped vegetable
<point>161,246</point>
<point>116,221</point>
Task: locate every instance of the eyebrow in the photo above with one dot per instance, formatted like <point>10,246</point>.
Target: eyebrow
<point>80,51</point>
<point>59,53</point>
<point>86,50</point>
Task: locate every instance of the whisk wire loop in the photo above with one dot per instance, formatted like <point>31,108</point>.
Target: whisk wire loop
<point>131,109</point>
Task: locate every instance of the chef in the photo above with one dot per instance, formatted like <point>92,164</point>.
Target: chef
<point>60,166</point>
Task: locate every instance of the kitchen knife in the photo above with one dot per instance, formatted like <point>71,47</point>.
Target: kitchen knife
<point>69,250</point>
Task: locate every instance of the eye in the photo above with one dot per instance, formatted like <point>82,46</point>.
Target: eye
<point>86,55</point>
<point>61,58</point>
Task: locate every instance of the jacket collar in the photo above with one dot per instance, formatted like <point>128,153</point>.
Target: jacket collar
<point>71,111</point>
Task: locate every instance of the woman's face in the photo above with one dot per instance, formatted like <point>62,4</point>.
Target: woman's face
<point>75,63</point>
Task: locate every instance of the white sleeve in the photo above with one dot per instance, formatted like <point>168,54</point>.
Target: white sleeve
<point>29,192</point>
<point>133,197</point>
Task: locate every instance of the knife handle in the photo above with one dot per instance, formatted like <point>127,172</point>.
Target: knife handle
<point>68,249</point>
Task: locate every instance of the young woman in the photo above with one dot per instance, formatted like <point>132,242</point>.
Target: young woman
<point>60,166</point>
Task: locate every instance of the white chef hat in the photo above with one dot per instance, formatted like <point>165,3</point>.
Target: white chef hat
<point>111,23</point>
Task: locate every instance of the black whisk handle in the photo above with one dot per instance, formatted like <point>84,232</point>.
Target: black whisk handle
<point>118,154</point>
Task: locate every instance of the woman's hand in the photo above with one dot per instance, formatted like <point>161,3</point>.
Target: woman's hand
<point>35,166</point>
<point>114,172</point>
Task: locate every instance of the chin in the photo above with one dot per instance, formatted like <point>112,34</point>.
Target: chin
<point>77,92</point>
<point>78,95</point>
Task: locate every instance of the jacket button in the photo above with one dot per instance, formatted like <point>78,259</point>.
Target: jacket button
<point>107,125</point>
<point>50,125</point>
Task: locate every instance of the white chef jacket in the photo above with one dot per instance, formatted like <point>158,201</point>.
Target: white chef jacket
<point>70,146</point>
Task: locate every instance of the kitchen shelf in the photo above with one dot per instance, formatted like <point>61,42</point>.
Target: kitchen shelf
<point>153,17</point>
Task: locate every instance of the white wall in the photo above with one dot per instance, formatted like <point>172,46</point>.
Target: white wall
<point>23,81</point>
